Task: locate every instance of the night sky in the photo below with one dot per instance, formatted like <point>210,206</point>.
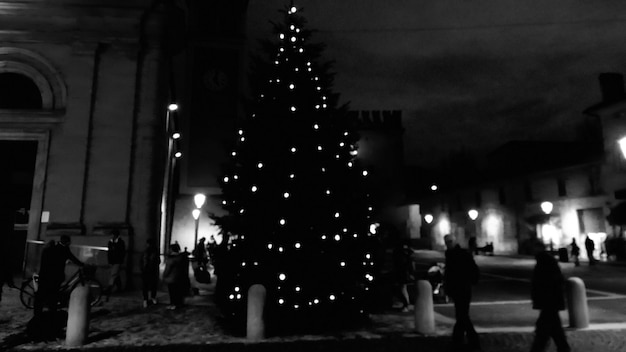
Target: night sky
<point>467,74</point>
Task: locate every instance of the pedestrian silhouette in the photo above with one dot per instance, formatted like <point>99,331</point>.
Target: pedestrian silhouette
<point>547,297</point>
<point>590,247</point>
<point>176,276</point>
<point>115,255</point>
<point>404,270</point>
<point>460,274</point>
<point>150,272</point>
<point>575,252</point>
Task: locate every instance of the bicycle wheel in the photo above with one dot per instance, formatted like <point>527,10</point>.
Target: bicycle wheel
<point>27,294</point>
<point>95,291</point>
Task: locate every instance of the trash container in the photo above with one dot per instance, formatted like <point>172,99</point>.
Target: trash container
<point>563,255</point>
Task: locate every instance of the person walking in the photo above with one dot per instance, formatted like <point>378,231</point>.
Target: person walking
<point>115,255</point>
<point>590,247</point>
<point>150,272</point>
<point>547,296</point>
<point>460,274</point>
<point>575,252</point>
<point>200,253</point>
<point>176,276</point>
<point>52,273</point>
<point>404,269</point>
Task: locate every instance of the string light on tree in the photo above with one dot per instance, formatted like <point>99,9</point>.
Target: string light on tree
<point>280,221</point>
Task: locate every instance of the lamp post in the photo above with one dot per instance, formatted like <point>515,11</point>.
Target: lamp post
<point>198,200</point>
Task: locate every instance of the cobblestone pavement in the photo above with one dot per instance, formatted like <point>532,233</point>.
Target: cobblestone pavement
<point>122,324</point>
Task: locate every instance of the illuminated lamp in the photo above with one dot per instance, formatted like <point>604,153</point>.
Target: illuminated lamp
<point>172,107</point>
<point>547,207</point>
<point>473,214</point>
<point>428,218</point>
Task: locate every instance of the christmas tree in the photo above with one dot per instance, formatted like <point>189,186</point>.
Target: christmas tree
<point>299,214</point>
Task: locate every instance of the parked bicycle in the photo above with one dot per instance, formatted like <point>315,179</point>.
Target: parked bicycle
<point>84,275</point>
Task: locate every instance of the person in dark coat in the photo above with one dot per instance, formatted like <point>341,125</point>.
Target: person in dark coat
<point>115,255</point>
<point>590,247</point>
<point>575,252</point>
<point>150,272</point>
<point>176,276</point>
<point>404,269</point>
<point>547,297</point>
<point>460,274</point>
<point>52,273</point>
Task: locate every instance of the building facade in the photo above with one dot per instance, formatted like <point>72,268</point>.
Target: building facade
<point>84,90</point>
<point>540,194</point>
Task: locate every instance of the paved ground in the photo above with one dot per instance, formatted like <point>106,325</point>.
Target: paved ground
<point>122,324</point>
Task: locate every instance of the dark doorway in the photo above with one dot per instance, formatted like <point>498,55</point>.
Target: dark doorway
<point>16,186</point>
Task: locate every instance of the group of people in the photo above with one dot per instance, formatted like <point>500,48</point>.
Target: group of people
<point>589,247</point>
<point>547,296</point>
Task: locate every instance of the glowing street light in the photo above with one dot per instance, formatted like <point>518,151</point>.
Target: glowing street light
<point>172,107</point>
<point>547,207</point>
<point>198,200</point>
<point>428,218</point>
<point>473,214</point>
<point>434,188</point>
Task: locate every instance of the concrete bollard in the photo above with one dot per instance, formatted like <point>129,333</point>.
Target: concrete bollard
<point>78,317</point>
<point>255,325</point>
<point>424,311</point>
<point>577,303</point>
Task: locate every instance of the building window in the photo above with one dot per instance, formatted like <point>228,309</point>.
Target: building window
<point>562,189</point>
<point>18,92</point>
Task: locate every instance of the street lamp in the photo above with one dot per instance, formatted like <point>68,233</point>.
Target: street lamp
<point>547,207</point>
<point>428,218</point>
<point>198,200</point>
<point>473,214</point>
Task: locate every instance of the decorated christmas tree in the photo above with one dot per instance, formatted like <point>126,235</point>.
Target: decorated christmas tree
<point>299,213</point>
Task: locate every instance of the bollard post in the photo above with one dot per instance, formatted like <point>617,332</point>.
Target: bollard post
<point>577,303</point>
<point>78,317</point>
<point>255,325</point>
<point>424,311</point>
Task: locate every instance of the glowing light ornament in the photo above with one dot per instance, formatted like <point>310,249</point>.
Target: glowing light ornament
<point>292,86</point>
<point>317,106</point>
<point>342,264</point>
<point>282,277</point>
<point>332,297</point>
<point>293,39</point>
<point>318,88</point>
<point>293,10</point>
<point>319,148</point>
<point>270,246</point>
<point>292,27</point>
<point>328,191</point>
<point>281,249</point>
<point>260,165</point>
<point>254,188</point>
<point>365,173</point>
<point>349,163</point>
<point>293,109</point>
<point>297,245</point>
<point>243,139</point>
<point>281,301</point>
<point>342,144</point>
<point>316,126</point>
<point>293,149</point>
<point>233,153</point>
<point>286,195</point>
<point>226,179</point>
<point>301,50</point>
<point>224,202</point>
<point>337,238</point>
<point>292,176</point>
<point>281,36</point>
<point>282,222</point>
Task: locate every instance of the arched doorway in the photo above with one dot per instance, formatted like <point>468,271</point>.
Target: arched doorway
<point>25,96</point>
